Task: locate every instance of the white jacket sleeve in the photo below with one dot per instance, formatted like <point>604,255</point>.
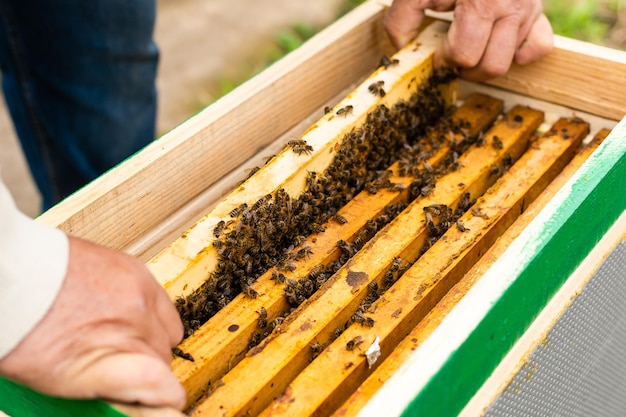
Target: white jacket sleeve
<point>33,263</point>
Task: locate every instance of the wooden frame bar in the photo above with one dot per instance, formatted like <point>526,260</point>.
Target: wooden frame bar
<point>533,267</point>
<point>422,331</point>
<point>218,349</point>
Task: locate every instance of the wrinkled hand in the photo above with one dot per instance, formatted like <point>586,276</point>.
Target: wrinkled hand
<point>485,37</point>
<point>107,335</point>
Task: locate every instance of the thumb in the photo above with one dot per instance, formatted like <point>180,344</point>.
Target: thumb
<point>133,377</point>
<point>538,43</point>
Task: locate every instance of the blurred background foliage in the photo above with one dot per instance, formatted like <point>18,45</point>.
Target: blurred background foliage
<point>602,22</point>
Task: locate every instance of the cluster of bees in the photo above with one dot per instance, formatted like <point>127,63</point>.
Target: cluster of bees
<point>438,219</point>
<point>270,232</point>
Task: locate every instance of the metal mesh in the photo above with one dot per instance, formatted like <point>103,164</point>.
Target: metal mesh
<point>580,369</point>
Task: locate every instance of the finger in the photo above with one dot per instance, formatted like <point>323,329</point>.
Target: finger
<point>404,18</point>
<point>168,317</point>
<point>161,327</point>
<point>132,377</point>
<point>402,21</point>
<point>538,43</point>
<point>498,54</point>
<point>467,38</point>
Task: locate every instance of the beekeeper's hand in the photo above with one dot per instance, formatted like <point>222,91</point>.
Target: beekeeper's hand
<point>108,334</point>
<point>485,37</point>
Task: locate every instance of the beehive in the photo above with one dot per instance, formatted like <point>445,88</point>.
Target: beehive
<point>304,363</point>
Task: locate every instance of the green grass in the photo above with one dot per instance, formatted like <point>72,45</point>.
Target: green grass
<point>284,41</point>
<point>587,20</point>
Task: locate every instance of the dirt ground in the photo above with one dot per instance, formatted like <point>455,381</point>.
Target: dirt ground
<point>200,42</point>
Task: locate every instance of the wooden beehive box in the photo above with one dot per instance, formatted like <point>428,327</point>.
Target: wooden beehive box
<point>155,206</point>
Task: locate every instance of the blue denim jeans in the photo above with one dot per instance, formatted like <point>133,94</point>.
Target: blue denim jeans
<point>79,81</point>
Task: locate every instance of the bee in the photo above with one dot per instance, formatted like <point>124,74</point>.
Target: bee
<point>237,210</point>
<point>289,266</point>
<point>336,333</point>
<point>507,162</point>
<point>395,265</point>
<point>316,349</point>
<point>261,201</point>
<point>181,354</point>
<point>298,240</point>
<point>427,190</point>
<point>316,271</point>
<point>267,159</point>
<point>397,187</point>
<point>345,111</point>
<point>278,277</point>
<point>357,317</point>
<point>249,291</point>
<point>371,226</point>
<point>367,322</point>
<point>360,239</point>
<point>255,339</point>
<point>480,139</point>
<point>387,62</point>
<point>296,142</point>
<point>219,228</point>
<point>497,142</point>
<point>252,171</point>
<point>476,212</point>
<point>345,246</point>
<point>305,252</point>
<point>311,176</point>
<point>276,322</point>
<point>262,320</point>
<point>494,170</point>
<point>354,343</point>
<point>461,226</point>
<point>300,147</point>
<point>327,109</point>
<point>464,202</point>
<point>339,218</point>
<point>377,88</point>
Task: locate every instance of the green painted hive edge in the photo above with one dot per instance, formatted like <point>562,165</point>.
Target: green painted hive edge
<point>552,247</point>
<point>19,401</point>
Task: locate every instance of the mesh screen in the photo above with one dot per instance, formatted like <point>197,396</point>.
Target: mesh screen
<point>580,370</point>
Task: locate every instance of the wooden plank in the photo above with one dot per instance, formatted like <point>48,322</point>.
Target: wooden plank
<point>183,266</point>
<point>125,203</point>
<point>422,286</point>
<point>258,378</point>
<point>216,347</point>
<point>380,375</point>
<point>576,74</point>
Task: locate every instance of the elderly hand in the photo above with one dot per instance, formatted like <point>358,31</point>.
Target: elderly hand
<point>107,335</point>
<point>485,37</point>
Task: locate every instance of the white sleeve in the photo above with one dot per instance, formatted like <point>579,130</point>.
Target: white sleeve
<point>33,263</point>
